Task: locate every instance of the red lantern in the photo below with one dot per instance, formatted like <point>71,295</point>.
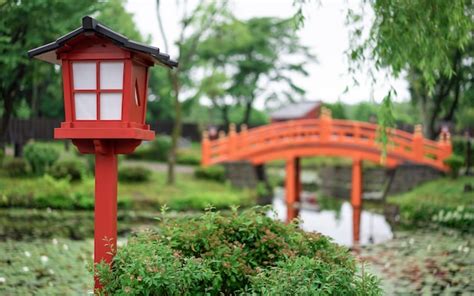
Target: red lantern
<point>105,81</point>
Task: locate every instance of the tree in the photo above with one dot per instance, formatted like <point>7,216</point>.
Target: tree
<point>246,60</point>
<point>430,41</point>
<point>195,22</point>
<point>25,25</point>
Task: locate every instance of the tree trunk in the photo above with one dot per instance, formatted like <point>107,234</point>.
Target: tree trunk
<point>248,112</point>
<point>176,128</point>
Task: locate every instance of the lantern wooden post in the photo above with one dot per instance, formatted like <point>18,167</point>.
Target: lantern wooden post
<point>105,209</point>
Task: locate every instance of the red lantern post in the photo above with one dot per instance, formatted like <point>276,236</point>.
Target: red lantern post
<point>105,81</point>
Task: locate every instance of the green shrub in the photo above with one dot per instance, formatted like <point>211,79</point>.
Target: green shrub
<point>311,276</point>
<point>16,167</point>
<point>214,173</point>
<point>72,169</point>
<point>455,162</point>
<point>134,174</point>
<point>230,255</point>
<point>2,155</point>
<point>40,156</point>
<point>156,150</point>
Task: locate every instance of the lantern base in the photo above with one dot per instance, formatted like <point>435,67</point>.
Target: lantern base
<point>104,133</point>
<point>105,140</point>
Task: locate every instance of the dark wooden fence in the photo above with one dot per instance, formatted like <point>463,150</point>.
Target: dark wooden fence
<point>20,131</point>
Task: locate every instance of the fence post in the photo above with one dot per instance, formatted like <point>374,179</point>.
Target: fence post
<point>326,124</point>
<point>418,142</point>
<point>206,149</point>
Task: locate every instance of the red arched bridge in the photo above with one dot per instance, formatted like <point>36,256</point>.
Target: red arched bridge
<point>291,140</point>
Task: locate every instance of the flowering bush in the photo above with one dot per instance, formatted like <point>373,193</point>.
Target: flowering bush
<point>241,253</point>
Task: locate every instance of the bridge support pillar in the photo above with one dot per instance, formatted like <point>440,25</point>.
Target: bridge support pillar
<point>292,187</point>
<point>356,193</point>
<point>356,215</point>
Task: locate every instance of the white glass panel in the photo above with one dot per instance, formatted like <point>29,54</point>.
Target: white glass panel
<point>84,75</point>
<point>111,75</point>
<point>111,106</point>
<point>85,105</point>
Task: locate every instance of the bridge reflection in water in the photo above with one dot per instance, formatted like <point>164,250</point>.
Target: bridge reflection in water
<point>350,226</point>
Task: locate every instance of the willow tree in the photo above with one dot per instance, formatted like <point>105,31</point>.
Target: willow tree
<point>430,41</point>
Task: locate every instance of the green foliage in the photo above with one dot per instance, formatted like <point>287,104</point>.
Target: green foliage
<point>460,147</point>
<point>16,167</point>
<point>431,203</point>
<point>40,156</point>
<point>311,276</point>
<point>429,40</point>
<point>214,173</point>
<point>71,169</point>
<point>134,174</point>
<point>455,162</point>
<point>228,255</point>
<point>419,34</point>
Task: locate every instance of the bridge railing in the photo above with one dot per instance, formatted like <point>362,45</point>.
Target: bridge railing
<point>327,132</point>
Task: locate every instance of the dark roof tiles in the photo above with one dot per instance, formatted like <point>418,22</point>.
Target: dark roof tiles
<point>90,24</point>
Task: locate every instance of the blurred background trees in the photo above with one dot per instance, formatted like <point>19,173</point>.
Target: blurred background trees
<point>236,70</point>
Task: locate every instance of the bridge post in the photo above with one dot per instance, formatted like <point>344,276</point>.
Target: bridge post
<point>356,192</point>
<point>418,142</point>
<point>291,188</point>
<point>206,149</point>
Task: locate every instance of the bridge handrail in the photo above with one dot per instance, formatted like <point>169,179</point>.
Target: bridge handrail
<point>403,146</point>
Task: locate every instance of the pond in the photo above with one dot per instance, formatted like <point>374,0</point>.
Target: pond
<point>337,221</point>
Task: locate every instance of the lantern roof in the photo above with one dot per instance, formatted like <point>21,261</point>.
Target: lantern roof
<point>47,52</point>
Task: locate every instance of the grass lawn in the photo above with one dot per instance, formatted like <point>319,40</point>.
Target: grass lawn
<point>188,193</point>
<point>442,201</point>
